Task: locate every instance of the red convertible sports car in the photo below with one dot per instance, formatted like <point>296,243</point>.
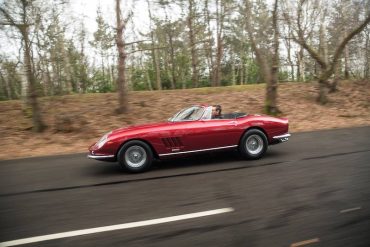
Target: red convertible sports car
<point>191,130</point>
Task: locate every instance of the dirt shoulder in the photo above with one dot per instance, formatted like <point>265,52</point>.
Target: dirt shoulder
<point>76,121</point>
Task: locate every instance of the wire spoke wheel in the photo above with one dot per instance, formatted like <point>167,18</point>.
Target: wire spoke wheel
<point>135,156</point>
<point>254,144</point>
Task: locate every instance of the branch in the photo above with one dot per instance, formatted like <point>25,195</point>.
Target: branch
<point>7,16</point>
<point>315,55</point>
<point>302,41</point>
<point>344,42</point>
<point>135,42</point>
<point>11,20</point>
<point>147,49</point>
<point>276,34</point>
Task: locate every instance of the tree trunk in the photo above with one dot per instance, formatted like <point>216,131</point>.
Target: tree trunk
<point>208,48</point>
<point>146,73</point>
<point>241,69</point>
<point>301,66</point>
<point>157,69</point>
<point>67,68</point>
<point>38,124</point>
<point>194,58</point>
<point>217,66</point>
<point>121,80</point>
<point>82,67</point>
<point>346,61</point>
<point>102,63</point>
<point>272,83</point>
<point>233,77</point>
<point>271,92</point>
<point>113,73</point>
<point>289,47</point>
<point>148,80</point>
<point>173,65</point>
<point>246,75</point>
<point>323,48</point>
<point>333,85</point>
<point>154,52</point>
<point>367,57</point>
<point>109,73</point>
<point>47,78</point>
<point>219,44</point>
<point>55,75</point>
<point>5,86</point>
<point>323,92</point>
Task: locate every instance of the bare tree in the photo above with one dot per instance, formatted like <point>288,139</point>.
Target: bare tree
<point>220,17</point>
<point>120,41</point>
<point>267,60</point>
<point>103,42</point>
<point>289,48</point>
<point>327,66</point>
<point>367,54</point>
<point>22,23</point>
<point>154,52</point>
<point>208,45</point>
<point>192,43</point>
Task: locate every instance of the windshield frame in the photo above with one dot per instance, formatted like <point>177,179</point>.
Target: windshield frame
<point>201,115</point>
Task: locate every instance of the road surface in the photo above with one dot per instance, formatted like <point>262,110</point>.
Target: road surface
<point>313,190</point>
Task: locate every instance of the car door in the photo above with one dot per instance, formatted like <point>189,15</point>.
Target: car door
<point>214,133</point>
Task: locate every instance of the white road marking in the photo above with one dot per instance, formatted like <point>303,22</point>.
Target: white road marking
<point>115,227</point>
<point>349,210</point>
<point>305,242</point>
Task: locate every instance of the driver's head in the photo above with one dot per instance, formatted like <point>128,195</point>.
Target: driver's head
<point>216,111</point>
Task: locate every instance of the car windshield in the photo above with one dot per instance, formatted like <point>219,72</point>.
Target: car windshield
<point>188,114</point>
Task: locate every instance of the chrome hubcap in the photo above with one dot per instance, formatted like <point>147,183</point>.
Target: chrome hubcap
<point>254,144</point>
<point>135,156</point>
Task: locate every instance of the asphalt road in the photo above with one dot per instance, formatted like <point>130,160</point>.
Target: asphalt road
<point>311,191</point>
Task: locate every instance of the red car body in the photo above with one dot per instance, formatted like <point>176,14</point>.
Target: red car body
<point>169,139</point>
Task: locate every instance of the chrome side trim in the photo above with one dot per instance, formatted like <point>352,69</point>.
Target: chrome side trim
<point>282,138</point>
<point>98,157</point>
<point>200,150</point>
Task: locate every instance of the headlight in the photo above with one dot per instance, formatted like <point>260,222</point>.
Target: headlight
<point>103,140</point>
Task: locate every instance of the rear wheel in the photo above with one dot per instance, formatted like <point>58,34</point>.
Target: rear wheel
<point>135,156</point>
<point>253,144</point>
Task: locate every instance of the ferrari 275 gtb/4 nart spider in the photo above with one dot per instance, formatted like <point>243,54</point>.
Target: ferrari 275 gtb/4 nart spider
<point>191,130</point>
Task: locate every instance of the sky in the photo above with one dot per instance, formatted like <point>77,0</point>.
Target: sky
<point>85,10</point>
<point>77,11</point>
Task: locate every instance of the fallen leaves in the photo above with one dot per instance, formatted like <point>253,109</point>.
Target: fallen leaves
<point>92,115</point>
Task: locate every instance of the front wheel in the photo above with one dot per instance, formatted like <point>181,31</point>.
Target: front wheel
<point>135,156</point>
<point>253,144</point>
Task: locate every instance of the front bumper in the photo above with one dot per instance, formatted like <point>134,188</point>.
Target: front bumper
<point>101,157</point>
<point>281,138</point>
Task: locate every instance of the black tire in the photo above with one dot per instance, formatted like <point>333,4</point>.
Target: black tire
<point>253,151</point>
<point>135,151</point>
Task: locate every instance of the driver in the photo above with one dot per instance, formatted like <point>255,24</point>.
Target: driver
<point>216,112</point>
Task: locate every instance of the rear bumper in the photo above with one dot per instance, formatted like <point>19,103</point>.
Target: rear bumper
<point>281,138</point>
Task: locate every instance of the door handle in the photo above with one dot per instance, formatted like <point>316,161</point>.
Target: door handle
<point>232,123</point>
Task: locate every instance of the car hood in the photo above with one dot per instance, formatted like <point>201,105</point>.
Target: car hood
<point>140,128</point>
